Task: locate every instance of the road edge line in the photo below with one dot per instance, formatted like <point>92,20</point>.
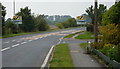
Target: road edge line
<point>47,57</point>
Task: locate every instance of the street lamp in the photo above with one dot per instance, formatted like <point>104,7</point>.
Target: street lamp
<point>95,22</point>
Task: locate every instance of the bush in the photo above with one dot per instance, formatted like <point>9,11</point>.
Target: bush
<point>59,25</point>
<point>110,34</point>
<point>90,27</point>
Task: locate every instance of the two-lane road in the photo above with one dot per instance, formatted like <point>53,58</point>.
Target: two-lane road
<point>30,50</point>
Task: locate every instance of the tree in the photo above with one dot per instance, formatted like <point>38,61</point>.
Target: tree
<point>27,20</point>
<point>71,22</point>
<point>112,15</point>
<point>101,10</point>
<point>90,10</point>
<point>10,27</point>
<point>41,23</point>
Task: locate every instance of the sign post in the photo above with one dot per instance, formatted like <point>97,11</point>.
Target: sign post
<point>17,20</point>
<point>81,20</point>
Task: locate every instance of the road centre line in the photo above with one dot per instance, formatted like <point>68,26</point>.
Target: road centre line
<point>15,45</point>
<point>23,42</point>
<point>30,40</point>
<point>5,48</point>
<point>7,42</point>
<point>13,40</point>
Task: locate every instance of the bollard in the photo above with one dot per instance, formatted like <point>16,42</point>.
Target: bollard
<point>88,47</point>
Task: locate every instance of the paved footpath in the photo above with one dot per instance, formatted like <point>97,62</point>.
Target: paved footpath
<point>79,56</point>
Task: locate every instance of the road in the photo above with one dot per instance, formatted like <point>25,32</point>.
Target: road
<point>30,50</point>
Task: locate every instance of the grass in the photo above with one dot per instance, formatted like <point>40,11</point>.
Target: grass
<point>12,35</point>
<point>71,35</point>
<point>87,35</point>
<point>61,57</point>
<point>84,46</point>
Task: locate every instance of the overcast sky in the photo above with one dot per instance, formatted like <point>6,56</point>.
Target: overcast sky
<point>53,7</point>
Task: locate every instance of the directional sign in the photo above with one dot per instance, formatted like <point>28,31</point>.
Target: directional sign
<point>17,19</point>
<point>81,17</point>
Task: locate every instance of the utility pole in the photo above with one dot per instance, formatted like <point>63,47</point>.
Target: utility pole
<point>14,15</point>
<point>95,22</point>
<point>14,7</point>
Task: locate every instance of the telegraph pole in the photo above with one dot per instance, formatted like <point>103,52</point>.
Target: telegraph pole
<point>14,15</point>
<point>14,7</point>
<point>95,22</point>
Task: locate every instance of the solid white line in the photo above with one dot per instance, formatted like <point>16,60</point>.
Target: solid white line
<point>23,42</point>
<point>5,49</point>
<point>47,57</point>
<point>15,45</point>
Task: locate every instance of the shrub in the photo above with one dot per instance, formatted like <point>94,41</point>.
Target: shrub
<point>59,25</point>
<point>110,34</point>
<point>90,27</point>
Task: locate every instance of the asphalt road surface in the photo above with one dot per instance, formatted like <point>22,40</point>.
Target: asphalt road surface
<point>30,50</point>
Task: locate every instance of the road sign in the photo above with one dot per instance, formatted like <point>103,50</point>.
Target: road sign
<point>81,17</point>
<point>17,19</point>
<point>81,20</point>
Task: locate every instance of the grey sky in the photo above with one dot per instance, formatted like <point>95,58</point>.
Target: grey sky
<point>52,7</point>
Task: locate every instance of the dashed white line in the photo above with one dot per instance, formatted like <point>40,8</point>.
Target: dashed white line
<point>13,40</point>
<point>15,45</point>
<point>5,49</point>
<point>23,42</point>
<point>30,40</point>
<point>18,41</point>
<point>7,42</point>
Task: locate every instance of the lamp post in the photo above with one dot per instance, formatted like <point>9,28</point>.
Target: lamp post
<point>95,22</point>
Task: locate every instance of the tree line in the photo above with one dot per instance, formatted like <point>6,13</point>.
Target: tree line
<point>68,23</point>
<point>30,22</point>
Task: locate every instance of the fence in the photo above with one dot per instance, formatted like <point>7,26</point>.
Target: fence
<point>115,64</point>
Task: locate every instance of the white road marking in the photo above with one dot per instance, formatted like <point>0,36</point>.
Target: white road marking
<point>5,49</point>
<point>30,40</point>
<point>7,42</point>
<point>23,42</point>
<point>41,37</point>
<point>92,60</point>
<point>18,41</point>
<point>15,45</point>
<point>13,40</point>
<point>36,38</point>
<point>60,39</point>
<point>47,57</point>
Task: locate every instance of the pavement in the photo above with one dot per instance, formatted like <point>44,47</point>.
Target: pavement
<point>30,50</point>
<point>80,57</point>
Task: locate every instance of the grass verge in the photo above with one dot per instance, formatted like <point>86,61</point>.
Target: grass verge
<point>61,57</point>
<point>86,35</point>
<point>71,35</point>
<point>84,46</point>
<point>12,35</point>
